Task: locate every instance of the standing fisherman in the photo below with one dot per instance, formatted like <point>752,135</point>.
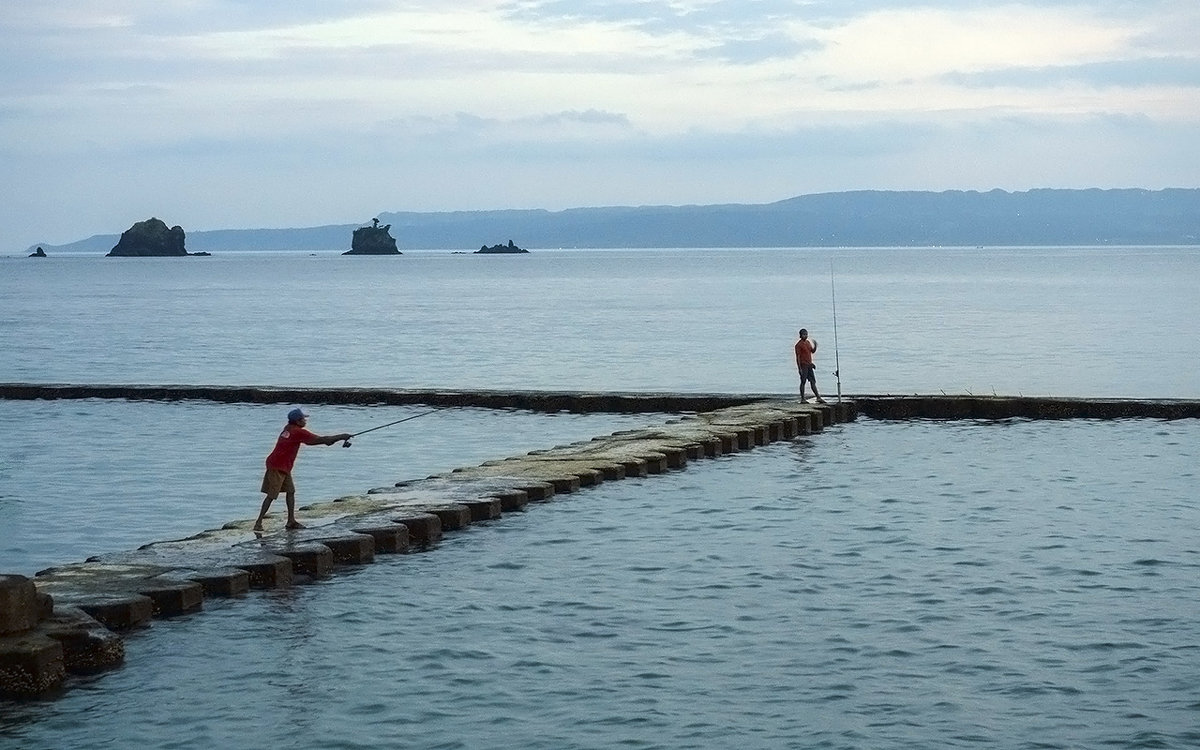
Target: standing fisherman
<point>278,477</point>
<point>805,349</point>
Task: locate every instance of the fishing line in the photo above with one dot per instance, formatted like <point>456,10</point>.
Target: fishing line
<point>346,442</point>
<point>837,366</point>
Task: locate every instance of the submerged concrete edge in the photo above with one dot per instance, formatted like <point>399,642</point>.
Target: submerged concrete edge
<point>876,406</point>
<point>532,400</point>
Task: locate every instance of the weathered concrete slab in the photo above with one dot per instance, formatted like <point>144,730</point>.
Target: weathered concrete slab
<point>212,559</point>
<point>18,604</point>
<point>348,548</point>
<point>120,595</point>
<point>87,645</point>
<point>223,582</point>
<point>389,538</point>
<point>515,500</point>
<point>308,558</point>
<point>484,509</point>
<point>31,664</point>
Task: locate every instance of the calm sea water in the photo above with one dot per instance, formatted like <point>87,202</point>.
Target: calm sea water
<point>1079,322</point>
<point>960,584</point>
<point>883,585</point>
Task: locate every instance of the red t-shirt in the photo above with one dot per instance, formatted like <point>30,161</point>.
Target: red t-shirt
<point>804,352</point>
<point>287,446</point>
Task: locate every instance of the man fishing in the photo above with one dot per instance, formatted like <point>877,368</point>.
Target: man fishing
<point>278,477</point>
<point>805,349</point>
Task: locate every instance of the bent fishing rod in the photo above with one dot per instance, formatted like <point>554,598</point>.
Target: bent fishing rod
<point>346,442</point>
<point>837,366</point>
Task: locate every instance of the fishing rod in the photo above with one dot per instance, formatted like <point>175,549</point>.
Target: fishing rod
<point>346,442</point>
<point>837,366</point>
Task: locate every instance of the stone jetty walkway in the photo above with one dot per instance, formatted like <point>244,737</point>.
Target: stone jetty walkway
<point>68,619</point>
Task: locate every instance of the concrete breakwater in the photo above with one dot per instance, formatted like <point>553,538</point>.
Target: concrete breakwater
<point>540,401</point>
<point>888,406</point>
<point>69,619</point>
<point>1010,407</point>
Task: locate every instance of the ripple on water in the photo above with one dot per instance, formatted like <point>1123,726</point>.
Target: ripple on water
<point>807,631</point>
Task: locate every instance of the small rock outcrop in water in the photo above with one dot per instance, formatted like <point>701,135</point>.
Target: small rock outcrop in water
<point>509,248</point>
<point>150,239</point>
<point>373,240</point>
<point>39,253</point>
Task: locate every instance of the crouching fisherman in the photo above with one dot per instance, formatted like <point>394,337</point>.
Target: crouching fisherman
<point>278,477</point>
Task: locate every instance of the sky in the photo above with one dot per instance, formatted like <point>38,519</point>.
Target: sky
<point>217,114</point>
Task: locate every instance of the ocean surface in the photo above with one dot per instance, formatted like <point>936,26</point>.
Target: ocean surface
<point>880,585</point>
<point>1032,321</point>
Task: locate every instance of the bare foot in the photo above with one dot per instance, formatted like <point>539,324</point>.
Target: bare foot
<point>258,526</point>
<point>294,525</point>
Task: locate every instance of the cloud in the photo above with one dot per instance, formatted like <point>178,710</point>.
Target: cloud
<point>767,47</point>
<point>322,107</point>
<point>1167,71</point>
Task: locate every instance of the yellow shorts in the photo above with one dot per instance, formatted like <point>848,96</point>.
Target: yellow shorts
<point>276,481</point>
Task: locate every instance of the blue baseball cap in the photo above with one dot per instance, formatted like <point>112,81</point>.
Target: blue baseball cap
<point>295,415</point>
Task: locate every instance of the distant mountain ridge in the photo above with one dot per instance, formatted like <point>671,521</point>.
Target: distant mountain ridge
<point>865,218</point>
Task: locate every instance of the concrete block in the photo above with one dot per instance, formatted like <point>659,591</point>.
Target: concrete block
<point>218,581</point>
<point>656,463</point>
<point>635,467</point>
<point>114,611</point>
<point>537,491</point>
<point>512,500</point>
<point>676,457</point>
<point>30,665</point>
<point>712,447</point>
<point>347,548</point>
<point>452,515</point>
<point>484,509</point>
<point>173,597</point>
<point>87,645</point>
<point>787,426</point>
<point>313,560</point>
<point>389,538</point>
<point>566,483</point>
<point>270,572</point>
<point>19,604</point>
<point>804,424</point>
<point>611,471</point>
<point>423,528</point>
<point>589,477</point>
<point>775,431</point>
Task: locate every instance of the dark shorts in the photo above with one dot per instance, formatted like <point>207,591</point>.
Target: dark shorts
<point>276,481</point>
<point>808,373</point>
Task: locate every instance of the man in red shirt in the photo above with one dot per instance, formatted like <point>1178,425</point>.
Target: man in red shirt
<point>278,477</point>
<point>805,349</point>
